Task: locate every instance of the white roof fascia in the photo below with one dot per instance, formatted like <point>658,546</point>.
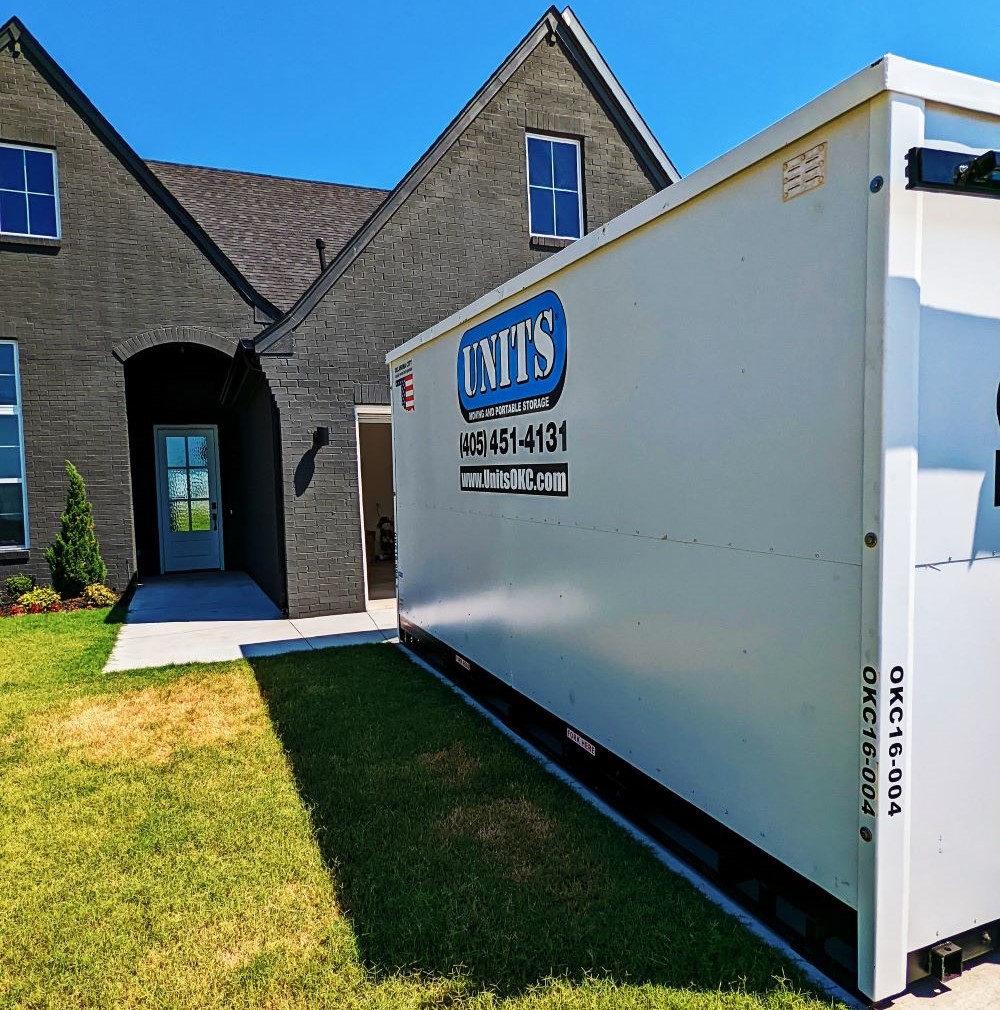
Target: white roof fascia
<point>595,57</point>
<point>891,73</point>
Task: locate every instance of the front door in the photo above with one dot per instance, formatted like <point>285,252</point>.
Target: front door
<point>187,492</point>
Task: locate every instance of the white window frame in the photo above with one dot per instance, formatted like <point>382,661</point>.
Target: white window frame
<point>16,410</point>
<point>55,187</point>
<point>552,138</point>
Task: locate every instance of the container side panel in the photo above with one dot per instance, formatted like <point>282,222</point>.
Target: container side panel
<point>693,602</point>
<point>957,518</point>
<point>954,870</point>
<point>707,668</point>
<point>955,874</point>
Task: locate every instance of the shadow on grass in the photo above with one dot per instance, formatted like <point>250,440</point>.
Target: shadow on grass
<point>450,847</point>
<point>118,613</point>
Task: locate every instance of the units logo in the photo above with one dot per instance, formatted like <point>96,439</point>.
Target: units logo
<point>514,363</point>
<point>402,379</point>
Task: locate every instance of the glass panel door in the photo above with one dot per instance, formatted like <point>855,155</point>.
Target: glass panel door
<point>187,481</point>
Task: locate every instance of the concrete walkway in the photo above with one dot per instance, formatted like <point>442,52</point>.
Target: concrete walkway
<point>213,616</point>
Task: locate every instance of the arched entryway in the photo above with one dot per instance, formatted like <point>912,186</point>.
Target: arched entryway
<point>202,446</point>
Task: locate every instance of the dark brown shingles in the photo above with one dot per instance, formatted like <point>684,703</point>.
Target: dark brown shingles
<point>268,225</point>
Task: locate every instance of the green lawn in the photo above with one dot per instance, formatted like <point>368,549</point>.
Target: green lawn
<point>328,829</point>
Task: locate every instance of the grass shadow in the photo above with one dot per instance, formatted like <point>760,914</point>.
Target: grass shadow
<point>118,613</point>
<point>450,848</point>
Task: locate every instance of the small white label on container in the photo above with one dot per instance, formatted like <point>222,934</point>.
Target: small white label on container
<point>463,663</point>
<point>580,742</point>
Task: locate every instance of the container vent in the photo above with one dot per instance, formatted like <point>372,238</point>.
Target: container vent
<point>805,172</point>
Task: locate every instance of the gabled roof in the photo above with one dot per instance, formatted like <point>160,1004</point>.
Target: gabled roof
<point>554,25</point>
<point>268,225</point>
<point>15,35</point>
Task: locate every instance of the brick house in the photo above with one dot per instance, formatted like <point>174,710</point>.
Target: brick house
<point>218,379</point>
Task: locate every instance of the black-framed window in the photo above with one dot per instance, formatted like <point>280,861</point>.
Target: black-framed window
<point>555,192</point>
<point>13,497</point>
<point>29,191</point>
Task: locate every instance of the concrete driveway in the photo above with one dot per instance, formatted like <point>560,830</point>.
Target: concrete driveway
<point>208,617</point>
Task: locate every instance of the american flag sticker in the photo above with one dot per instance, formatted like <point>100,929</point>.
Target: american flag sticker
<point>403,382</point>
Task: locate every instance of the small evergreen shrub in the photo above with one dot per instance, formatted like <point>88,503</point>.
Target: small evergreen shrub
<point>99,596</point>
<point>17,585</point>
<point>75,557</point>
<point>39,600</point>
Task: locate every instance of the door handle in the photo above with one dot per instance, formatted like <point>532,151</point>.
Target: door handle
<point>215,516</point>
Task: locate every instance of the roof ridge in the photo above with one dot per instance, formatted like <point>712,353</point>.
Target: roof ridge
<point>267,175</point>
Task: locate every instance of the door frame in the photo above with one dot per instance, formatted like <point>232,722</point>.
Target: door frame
<point>158,456</point>
<point>371,413</point>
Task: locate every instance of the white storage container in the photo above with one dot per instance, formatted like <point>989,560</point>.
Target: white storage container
<point>717,487</point>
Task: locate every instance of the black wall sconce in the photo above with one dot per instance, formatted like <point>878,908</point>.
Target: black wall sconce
<point>321,437</point>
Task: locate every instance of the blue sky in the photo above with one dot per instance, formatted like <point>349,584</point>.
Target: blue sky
<point>353,92</point>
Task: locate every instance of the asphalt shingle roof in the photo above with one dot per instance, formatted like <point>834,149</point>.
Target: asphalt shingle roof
<point>268,225</point>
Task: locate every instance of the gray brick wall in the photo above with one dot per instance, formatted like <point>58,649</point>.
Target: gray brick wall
<point>123,267</point>
<point>463,231</point>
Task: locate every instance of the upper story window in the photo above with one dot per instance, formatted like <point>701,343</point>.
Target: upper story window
<point>13,500</point>
<point>555,198</point>
<point>29,200</point>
